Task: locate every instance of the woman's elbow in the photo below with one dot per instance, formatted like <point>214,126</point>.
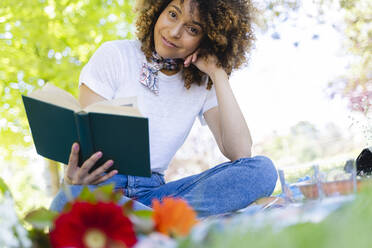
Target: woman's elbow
<point>241,153</point>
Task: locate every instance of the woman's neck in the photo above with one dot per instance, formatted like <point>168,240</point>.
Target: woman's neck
<point>169,72</point>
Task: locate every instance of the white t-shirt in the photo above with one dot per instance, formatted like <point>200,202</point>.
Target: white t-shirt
<point>114,72</point>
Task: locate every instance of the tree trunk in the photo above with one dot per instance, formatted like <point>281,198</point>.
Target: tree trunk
<point>53,168</point>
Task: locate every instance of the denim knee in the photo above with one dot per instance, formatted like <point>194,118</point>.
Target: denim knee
<point>265,172</point>
<point>270,173</point>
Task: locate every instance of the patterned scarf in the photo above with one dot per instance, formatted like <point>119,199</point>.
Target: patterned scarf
<point>149,72</point>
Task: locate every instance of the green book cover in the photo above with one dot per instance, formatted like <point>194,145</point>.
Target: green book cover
<point>56,126</point>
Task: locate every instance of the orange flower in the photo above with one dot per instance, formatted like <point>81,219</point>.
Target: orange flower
<point>173,217</point>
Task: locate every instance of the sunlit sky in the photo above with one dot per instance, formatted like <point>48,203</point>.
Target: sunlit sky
<point>284,84</point>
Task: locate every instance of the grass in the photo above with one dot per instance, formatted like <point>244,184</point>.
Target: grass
<point>349,226</point>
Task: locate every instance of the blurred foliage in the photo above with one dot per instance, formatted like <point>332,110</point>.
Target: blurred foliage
<point>27,185</point>
<point>270,12</point>
<point>304,143</point>
<point>45,41</point>
<point>48,41</point>
<point>356,83</point>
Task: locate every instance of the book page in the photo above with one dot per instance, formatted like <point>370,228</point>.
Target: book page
<point>115,110</point>
<point>121,106</point>
<point>126,101</point>
<point>54,95</point>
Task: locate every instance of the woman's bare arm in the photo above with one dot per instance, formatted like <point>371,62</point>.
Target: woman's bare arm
<point>226,121</point>
<point>88,96</point>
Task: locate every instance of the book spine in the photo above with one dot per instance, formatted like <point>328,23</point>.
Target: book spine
<point>84,135</point>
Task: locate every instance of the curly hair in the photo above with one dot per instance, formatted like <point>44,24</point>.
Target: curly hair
<point>227,26</point>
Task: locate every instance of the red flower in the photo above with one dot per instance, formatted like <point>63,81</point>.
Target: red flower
<point>88,225</point>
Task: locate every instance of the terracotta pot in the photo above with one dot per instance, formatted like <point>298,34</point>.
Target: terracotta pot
<point>341,187</point>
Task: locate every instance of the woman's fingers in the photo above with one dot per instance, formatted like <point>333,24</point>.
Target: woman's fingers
<point>194,56</point>
<point>72,166</point>
<point>188,60</point>
<point>74,155</point>
<point>98,172</point>
<point>76,175</point>
<point>88,164</point>
<point>105,177</point>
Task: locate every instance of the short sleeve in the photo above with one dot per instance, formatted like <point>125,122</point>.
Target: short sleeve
<point>210,102</point>
<point>102,72</point>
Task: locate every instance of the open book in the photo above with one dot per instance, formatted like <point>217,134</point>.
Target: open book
<point>114,127</point>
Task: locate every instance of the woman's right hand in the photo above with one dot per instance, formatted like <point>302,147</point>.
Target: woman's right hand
<point>80,175</point>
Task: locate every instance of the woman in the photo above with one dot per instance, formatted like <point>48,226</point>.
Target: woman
<point>179,69</point>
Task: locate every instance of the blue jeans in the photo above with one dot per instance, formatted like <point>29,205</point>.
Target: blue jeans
<point>224,188</point>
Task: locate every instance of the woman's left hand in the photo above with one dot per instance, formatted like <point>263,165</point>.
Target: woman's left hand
<point>207,65</point>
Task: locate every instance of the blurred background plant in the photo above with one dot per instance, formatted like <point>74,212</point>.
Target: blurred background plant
<point>40,42</point>
<point>49,41</point>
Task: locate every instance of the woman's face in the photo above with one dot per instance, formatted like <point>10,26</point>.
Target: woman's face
<point>178,31</point>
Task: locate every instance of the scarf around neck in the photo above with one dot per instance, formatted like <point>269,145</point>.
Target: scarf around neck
<point>149,72</point>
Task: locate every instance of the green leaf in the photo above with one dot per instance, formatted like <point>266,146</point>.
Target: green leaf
<point>39,238</point>
<point>86,195</point>
<point>103,193</point>
<point>105,189</point>
<point>41,218</point>
<point>144,214</point>
<point>106,193</point>
<point>3,187</point>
